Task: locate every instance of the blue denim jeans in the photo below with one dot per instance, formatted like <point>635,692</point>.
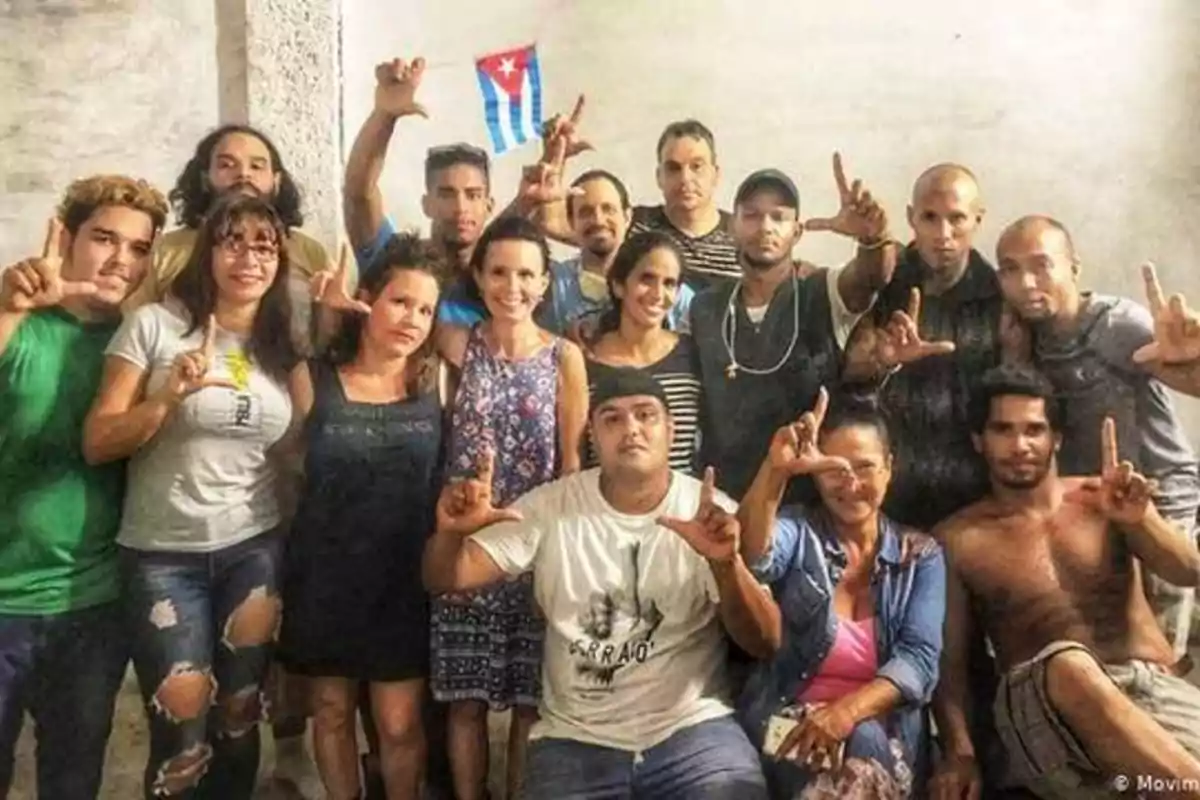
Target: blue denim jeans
<point>65,670</point>
<point>202,626</point>
<point>710,761</point>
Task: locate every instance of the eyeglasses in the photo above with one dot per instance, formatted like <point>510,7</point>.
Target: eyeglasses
<point>259,251</point>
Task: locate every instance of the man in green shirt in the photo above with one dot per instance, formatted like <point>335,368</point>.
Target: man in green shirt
<point>62,643</point>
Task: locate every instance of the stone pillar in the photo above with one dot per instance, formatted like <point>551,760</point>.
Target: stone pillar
<point>279,69</point>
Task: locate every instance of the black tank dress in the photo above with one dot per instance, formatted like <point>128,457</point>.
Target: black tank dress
<point>354,604</point>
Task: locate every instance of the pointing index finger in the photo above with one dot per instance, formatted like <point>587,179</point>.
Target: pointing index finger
<point>577,112</point>
<point>210,337</point>
<point>914,305</point>
<point>1108,445</point>
<point>708,487</point>
<point>52,247</point>
<point>1154,292</point>
<point>839,175</point>
<point>820,407</point>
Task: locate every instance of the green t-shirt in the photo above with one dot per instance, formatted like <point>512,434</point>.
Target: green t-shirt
<point>58,516</point>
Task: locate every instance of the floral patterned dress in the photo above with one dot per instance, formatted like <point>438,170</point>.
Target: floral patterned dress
<point>487,645</point>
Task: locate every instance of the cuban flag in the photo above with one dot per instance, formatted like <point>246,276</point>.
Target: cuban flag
<point>511,83</point>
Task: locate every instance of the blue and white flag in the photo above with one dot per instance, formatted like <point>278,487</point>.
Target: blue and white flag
<point>511,83</point>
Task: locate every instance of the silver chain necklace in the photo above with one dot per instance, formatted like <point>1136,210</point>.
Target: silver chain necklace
<point>729,333</point>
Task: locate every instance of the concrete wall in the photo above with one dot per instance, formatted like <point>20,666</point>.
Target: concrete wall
<point>1084,109</point>
<point>91,86</point>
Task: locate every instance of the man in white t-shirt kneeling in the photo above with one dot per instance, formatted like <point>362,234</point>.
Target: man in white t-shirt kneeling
<point>636,570</point>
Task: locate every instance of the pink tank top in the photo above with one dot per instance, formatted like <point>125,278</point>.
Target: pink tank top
<point>850,664</point>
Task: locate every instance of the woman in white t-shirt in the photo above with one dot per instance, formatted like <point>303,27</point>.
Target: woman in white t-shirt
<point>195,395</point>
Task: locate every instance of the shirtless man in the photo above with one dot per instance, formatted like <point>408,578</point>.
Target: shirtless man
<point>1087,705</point>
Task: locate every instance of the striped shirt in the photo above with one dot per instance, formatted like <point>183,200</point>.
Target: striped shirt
<point>679,374</point>
<point>708,259</point>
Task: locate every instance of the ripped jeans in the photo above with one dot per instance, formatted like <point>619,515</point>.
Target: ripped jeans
<point>202,626</point>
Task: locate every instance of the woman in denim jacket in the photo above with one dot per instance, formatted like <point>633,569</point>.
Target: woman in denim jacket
<point>841,710</point>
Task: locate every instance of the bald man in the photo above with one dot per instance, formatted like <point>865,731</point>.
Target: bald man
<point>937,471</point>
<point>1085,344</point>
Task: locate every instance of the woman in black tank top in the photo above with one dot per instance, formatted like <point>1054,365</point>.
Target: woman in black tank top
<point>355,609</point>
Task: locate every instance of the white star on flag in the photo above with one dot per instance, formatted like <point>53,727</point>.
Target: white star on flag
<point>507,67</point>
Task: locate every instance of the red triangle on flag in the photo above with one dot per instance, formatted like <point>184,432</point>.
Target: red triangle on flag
<point>507,69</point>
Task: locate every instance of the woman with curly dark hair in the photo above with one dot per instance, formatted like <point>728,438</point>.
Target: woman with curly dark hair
<point>195,395</point>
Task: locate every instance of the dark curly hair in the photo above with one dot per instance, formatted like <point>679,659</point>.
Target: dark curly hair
<point>270,343</point>
<point>193,196</point>
<point>404,252</point>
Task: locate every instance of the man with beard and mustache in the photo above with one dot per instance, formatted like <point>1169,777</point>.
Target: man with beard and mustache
<point>457,200</point>
<point>1087,345</point>
<point>235,158</point>
<point>1052,569</point>
<point>598,211</point>
<point>770,340</point>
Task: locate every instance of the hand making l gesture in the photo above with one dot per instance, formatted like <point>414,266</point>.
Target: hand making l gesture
<point>189,371</point>
<point>859,214</point>
<point>37,282</point>
<point>794,447</point>
<point>332,288</point>
<point>396,84</point>
<point>1120,493</point>
<point>713,532</point>
<point>465,506</point>
<point>1176,327</point>
<point>899,341</point>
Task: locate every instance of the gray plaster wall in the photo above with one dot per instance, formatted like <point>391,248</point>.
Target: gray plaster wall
<point>91,86</point>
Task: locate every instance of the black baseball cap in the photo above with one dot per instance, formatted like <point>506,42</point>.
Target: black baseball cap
<point>626,382</point>
<point>768,178</point>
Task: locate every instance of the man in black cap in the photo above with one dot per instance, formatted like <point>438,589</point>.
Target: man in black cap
<point>637,572</point>
<point>769,341</point>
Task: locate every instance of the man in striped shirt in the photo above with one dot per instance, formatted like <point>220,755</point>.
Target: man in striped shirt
<point>687,174</point>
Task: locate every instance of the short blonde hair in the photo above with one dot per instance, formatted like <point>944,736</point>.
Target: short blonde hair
<point>86,195</point>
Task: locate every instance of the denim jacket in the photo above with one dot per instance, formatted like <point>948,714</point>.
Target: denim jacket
<point>803,565</point>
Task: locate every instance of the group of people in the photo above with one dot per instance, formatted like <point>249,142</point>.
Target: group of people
<point>712,521</point>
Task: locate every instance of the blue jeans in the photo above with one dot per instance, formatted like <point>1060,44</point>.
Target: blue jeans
<point>710,761</point>
<point>202,626</point>
<point>65,670</point>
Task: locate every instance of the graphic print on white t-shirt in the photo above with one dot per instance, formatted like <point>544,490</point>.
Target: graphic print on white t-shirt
<point>618,624</point>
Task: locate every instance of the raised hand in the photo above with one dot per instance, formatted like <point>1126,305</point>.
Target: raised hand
<point>37,282</point>
<point>465,506</point>
<point>713,532</point>
<point>1120,493</point>
<point>1176,327</point>
<point>899,341</point>
<point>396,84</point>
<point>859,214</point>
<point>189,372</point>
<point>332,288</point>
<point>794,447</point>
<point>560,137</point>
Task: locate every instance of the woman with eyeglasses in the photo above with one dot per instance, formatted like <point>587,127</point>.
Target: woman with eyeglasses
<point>643,285</point>
<point>841,711</point>
<point>522,396</point>
<point>195,395</point>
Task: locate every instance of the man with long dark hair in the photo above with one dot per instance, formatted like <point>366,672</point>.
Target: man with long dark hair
<point>234,159</point>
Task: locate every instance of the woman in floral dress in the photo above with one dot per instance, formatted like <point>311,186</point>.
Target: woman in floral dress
<point>522,394</point>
